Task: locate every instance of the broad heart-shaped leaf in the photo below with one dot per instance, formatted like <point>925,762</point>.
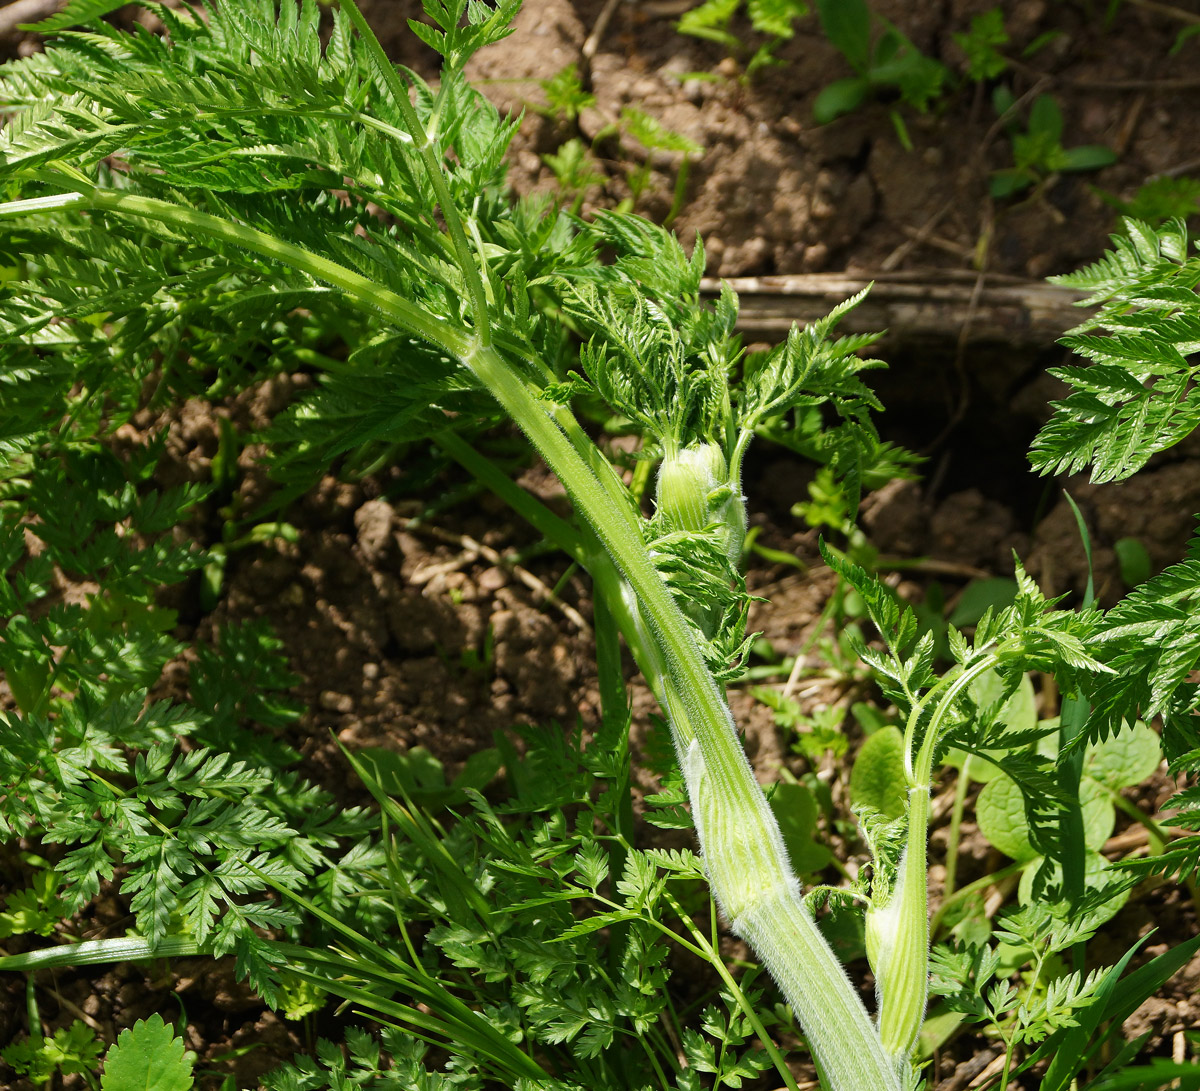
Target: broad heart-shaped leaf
<point>1018,714</point>
<point>1128,757</point>
<point>877,779</point>
<point>796,809</point>
<point>1001,814</point>
<point>1096,873</point>
<point>978,596</point>
<point>148,1057</point>
<point>1000,811</point>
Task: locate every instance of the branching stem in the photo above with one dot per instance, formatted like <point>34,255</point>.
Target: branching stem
<point>749,870</point>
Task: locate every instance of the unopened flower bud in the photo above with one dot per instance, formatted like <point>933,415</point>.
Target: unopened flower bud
<point>694,493</point>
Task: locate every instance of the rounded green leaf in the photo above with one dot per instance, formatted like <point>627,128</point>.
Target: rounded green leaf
<point>1099,814</point>
<point>796,809</point>
<point>1096,873</point>
<point>1000,812</point>
<point>980,595</point>
<point>1088,157</point>
<point>1133,561</point>
<point>840,97</point>
<point>877,779</point>
<point>1045,118</point>
<point>1006,182</point>
<point>1128,757</point>
<point>148,1057</point>
<point>1047,745</point>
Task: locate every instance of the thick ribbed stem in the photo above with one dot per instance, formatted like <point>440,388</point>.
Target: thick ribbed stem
<point>750,875</point>
<point>752,881</point>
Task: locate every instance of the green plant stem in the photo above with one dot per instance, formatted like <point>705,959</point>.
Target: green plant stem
<point>748,865</point>
<point>718,963</point>
<point>920,772</point>
<point>99,952</point>
<point>451,1017</point>
<point>434,167</point>
<point>365,292</point>
<point>532,510</point>
<point>32,1011</point>
<point>1004,1072</point>
<point>901,926</point>
<point>956,814</point>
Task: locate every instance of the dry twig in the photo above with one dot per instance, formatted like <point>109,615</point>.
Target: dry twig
<point>24,11</point>
<point>472,550</point>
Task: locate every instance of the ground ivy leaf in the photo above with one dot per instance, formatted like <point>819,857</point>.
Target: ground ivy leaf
<point>877,779</point>
<point>1128,757</point>
<point>1000,811</point>
<point>796,809</point>
<point>1099,814</point>
<point>148,1057</point>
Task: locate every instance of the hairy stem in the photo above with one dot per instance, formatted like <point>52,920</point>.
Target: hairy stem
<point>748,865</point>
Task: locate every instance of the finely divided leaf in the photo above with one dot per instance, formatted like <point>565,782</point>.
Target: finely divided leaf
<point>1138,396</point>
<point>74,14</point>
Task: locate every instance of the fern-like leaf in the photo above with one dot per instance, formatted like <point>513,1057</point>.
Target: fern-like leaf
<point>76,13</point>
<point>1139,395</point>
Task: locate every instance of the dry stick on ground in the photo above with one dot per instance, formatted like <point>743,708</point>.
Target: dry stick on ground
<point>1160,8</point>
<point>1129,125</point>
<point>1182,84</point>
<point>24,11</point>
<point>1185,167</point>
<point>667,9</point>
<point>937,242</point>
<point>960,357</point>
<point>965,1072</point>
<point>918,235</point>
<point>1179,83</point>
<point>598,29</point>
<point>930,305</point>
<point>1121,845</point>
<point>989,1075</point>
<point>473,549</point>
<point>75,1010</point>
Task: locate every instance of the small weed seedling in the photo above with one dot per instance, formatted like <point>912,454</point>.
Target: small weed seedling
<point>1038,153</point>
<point>775,18</point>
<point>573,165</point>
<point>982,44</point>
<point>575,171</point>
<point>1159,200</point>
<point>566,98</point>
<point>711,18</point>
<point>888,66</point>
